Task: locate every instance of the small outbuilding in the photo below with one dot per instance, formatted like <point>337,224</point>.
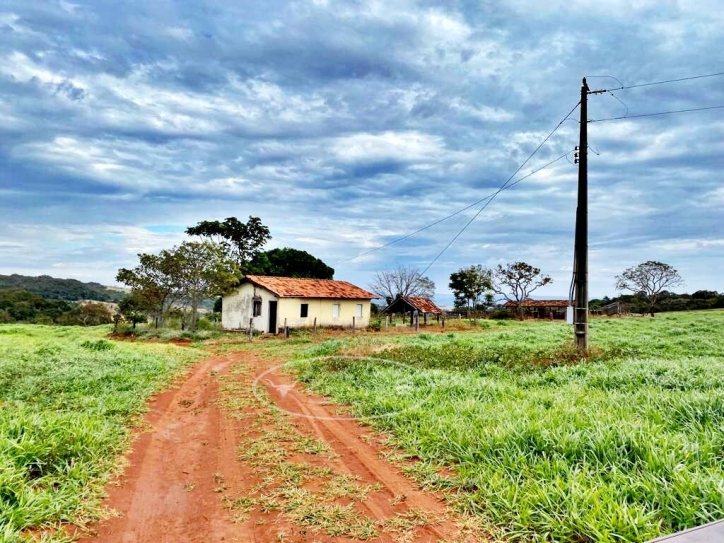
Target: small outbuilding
<point>541,309</point>
<point>411,305</point>
<point>266,303</point>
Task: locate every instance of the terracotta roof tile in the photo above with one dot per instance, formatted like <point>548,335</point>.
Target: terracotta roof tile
<point>538,303</point>
<point>424,305</point>
<point>289,287</point>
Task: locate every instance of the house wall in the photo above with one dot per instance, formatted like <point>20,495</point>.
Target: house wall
<point>321,308</point>
<point>236,308</point>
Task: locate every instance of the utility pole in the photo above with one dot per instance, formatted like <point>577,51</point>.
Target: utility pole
<point>580,312</point>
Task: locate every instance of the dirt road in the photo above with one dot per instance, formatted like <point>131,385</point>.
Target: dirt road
<point>220,463</point>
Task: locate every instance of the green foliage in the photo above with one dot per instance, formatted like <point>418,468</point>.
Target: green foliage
<point>649,279</point>
<point>625,446</point>
<point>666,301</point>
<point>518,280</point>
<point>51,288</point>
<point>67,397</point>
<point>240,241</point>
<point>470,284</point>
<point>288,262</point>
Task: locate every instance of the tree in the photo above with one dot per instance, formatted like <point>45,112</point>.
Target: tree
<point>649,279</point>
<point>241,241</point>
<point>402,281</point>
<point>203,271</point>
<point>516,281</point>
<point>155,282</point>
<point>288,262</point>
<point>133,309</point>
<point>470,284</point>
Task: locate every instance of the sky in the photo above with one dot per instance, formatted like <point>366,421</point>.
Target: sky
<point>345,125</point>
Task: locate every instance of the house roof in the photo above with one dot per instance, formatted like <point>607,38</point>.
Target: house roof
<point>423,305</point>
<point>291,287</point>
<point>538,303</point>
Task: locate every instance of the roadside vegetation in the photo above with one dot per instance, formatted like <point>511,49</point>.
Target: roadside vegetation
<point>68,396</point>
<point>625,446</point>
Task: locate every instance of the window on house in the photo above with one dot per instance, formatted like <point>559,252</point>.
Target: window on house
<point>304,313</point>
<point>335,311</point>
<point>256,306</point>
<point>359,311</point>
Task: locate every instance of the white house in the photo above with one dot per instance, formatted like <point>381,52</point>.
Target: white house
<point>265,303</point>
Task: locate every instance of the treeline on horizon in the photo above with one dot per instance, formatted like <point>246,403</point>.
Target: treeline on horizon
<point>51,288</point>
<point>23,306</point>
<point>667,301</point>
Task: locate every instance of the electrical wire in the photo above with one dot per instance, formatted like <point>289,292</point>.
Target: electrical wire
<point>490,199</point>
<point>625,87</point>
<point>656,114</point>
<point>505,186</point>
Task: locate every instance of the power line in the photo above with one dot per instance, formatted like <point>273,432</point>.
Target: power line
<point>624,87</point>
<point>505,186</point>
<point>655,114</point>
<point>502,188</point>
<point>490,199</point>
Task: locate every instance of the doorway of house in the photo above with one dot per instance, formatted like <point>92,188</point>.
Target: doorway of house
<point>272,317</point>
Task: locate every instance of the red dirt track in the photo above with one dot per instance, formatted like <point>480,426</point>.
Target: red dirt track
<point>181,469</point>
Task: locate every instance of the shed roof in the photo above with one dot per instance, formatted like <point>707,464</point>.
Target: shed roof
<point>292,287</point>
<point>423,305</point>
<point>538,303</point>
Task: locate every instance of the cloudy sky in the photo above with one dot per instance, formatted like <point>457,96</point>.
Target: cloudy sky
<point>347,124</point>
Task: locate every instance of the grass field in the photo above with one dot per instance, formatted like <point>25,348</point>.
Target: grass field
<point>543,447</point>
<point>67,399</point>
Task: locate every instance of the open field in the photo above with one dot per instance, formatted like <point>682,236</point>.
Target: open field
<point>67,398</point>
<point>627,446</point>
<point>526,441</point>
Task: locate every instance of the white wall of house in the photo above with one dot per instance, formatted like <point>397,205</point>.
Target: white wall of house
<point>237,309</point>
<point>323,309</point>
<point>237,306</point>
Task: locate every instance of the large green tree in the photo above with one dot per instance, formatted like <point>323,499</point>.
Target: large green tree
<point>204,270</point>
<point>650,279</point>
<point>154,282</point>
<point>515,281</point>
<point>288,262</point>
<point>470,284</point>
<point>241,241</point>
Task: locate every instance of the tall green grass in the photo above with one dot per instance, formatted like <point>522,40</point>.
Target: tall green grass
<point>67,398</point>
<point>545,447</point>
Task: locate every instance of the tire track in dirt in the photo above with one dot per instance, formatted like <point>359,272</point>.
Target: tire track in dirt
<point>185,474</point>
<point>169,491</point>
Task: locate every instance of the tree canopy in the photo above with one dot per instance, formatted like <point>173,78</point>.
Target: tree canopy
<point>402,281</point>
<point>470,284</point>
<point>240,241</point>
<point>288,262</point>
<point>650,279</point>
<point>516,281</point>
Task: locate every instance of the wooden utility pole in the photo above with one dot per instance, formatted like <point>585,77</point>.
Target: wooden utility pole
<point>580,312</point>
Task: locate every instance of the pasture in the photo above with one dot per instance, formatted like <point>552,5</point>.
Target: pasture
<point>67,399</point>
<point>540,445</point>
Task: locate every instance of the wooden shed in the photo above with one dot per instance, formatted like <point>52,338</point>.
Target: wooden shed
<point>541,309</point>
<point>413,305</point>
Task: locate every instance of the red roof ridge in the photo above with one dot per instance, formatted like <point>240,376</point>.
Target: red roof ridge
<point>304,287</point>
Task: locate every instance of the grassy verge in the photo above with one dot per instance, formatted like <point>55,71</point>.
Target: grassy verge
<point>624,447</point>
<point>67,399</point>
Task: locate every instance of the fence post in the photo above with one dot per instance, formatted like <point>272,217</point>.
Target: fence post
<point>286,329</point>
<point>443,322</point>
<point>425,319</point>
<point>251,329</point>
<point>353,321</point>
<point>417,322</point>
<point>315,326</point>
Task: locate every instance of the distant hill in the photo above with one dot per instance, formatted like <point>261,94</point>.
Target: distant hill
<point>61,289</point>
